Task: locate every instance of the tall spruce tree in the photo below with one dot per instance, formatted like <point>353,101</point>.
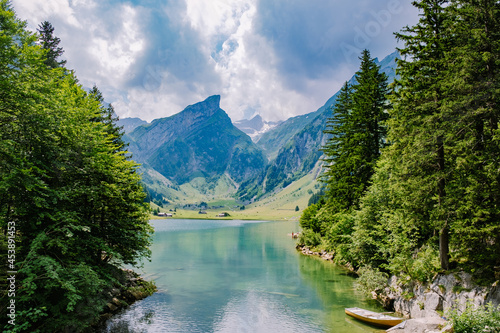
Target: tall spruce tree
<point>473,93</point>
<point>337,175</point>
<point>108,116</point>
<point>418,128</point>
<point>50,43</point>
<point>357,134</point>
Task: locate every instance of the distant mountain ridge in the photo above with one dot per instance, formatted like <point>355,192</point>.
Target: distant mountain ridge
<point>201,148</point>
<point>130,124</point>
<point>297,143</point>
<point>200,141</point>
<point>256,126</point>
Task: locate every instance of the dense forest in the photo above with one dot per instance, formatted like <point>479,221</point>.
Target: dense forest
<point>412,172</point>
<point>72,206</point>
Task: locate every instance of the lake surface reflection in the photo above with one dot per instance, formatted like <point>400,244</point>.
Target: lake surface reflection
<point>239,276</point>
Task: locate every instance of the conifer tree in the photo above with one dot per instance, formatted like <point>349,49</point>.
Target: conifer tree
<point>337,174</point>
<point>357,135</point>
<point>108,116</point>
<point>472,84</point>
<point>445,129</point>
<point>418,128</point>
<point>50,43</point>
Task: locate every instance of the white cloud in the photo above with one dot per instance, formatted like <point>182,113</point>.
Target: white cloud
<point>277,58</point>
<point>39,10</point>
<point>215,17</point>
<point>114,53</point>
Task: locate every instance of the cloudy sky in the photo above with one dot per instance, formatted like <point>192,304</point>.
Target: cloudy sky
<point>276,58</point>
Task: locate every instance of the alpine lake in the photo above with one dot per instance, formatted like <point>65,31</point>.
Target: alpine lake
<point>239,276</point>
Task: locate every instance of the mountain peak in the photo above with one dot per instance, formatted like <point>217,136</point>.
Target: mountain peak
<point>211,103</point>
<point>199,141</point>
<point>214,98</point>
<point>206,108</point>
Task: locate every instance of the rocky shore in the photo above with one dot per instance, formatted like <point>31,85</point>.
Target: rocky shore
<point>131,288</point>
<point>425,305</point>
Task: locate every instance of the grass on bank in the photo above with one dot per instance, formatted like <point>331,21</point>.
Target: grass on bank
<point>280,206</point>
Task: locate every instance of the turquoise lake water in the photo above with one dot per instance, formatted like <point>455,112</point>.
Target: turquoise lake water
<point>239,276</point>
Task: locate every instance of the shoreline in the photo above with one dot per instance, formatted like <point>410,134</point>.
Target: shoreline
<point>154,217</point>
<point>430,301</point>
<point>132,288</point>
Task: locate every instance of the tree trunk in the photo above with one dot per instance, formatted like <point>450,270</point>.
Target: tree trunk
<point>444,248</point>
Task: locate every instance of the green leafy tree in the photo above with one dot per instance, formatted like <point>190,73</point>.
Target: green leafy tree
<point>75,198</point>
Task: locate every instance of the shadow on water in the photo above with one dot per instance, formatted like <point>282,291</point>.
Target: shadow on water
<point>334,286</point>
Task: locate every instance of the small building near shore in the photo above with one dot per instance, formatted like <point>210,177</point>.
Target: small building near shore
<point>165,214</point>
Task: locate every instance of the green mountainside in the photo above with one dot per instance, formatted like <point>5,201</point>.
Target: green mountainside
<point>298,141</point>
<point>199,155</point>
<point>130,124</point>
<point>199,146</point>
<point>272,141</point>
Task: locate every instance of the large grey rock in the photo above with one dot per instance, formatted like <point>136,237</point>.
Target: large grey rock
<point>421,325</point>
<point>442,294</point>
<point>494,294</point>
<point>433,302</point>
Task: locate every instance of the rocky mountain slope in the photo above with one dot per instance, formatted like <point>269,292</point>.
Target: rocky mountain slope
<point>199,142</point>
<point>201,147</point>
<point>255,127</point>
<point>297,143</point>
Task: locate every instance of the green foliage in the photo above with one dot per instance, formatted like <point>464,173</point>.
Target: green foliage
<point>339,235</point>
<point>309,221</point>
<point>421,266</point>
<point>476,319</point>
<point>144,288</point>
<point>310,238</point>
<point>433,195</point>
<point>66,182</point>
<point>315,197</point>
<point>371,280</point>
<point>50,44</point>
<point>356,134</point>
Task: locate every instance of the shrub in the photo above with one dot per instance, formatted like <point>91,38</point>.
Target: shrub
<point>426,265</point>
<point>309,221</point>
<point>421,266</point>
<point>371,280</point>
<point>310,238</point>
<point>476,319</point>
